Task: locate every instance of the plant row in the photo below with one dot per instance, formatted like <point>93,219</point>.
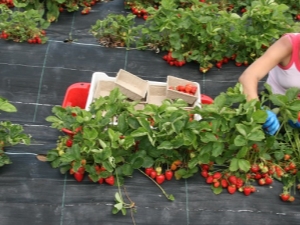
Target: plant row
<point>10,133</point>
<point>210,34</point>
<point>195,31</point>
<point>228,146</point>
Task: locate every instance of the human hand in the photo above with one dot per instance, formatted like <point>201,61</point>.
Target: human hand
<point>271,125</point>
<point>297,124</point>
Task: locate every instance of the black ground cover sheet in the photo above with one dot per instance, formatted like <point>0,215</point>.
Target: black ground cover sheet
<point>35,78</point>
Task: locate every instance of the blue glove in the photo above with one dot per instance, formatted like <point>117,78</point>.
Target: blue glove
<point>271,125</point>
<point>295,125</point>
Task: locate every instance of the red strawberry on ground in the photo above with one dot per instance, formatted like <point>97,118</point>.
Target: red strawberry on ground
<point>247,190</point>
<point>110,180</point>
<point>285,196</point>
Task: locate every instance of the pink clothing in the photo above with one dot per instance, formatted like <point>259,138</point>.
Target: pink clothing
<point>281,78</point>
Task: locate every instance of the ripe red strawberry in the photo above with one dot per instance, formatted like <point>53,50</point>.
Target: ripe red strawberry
<point>257,176</point>
<point>153,174</point>
<point>217,175</point>
<point>81,170</point>
<point>69,143</point>
<point>254,168</point>
<point>101,180</point>
<point>204,166</point>
<point>224,183</point>
<point>180,88</point>
<point>217,184</point>
<point>262,181</point>
<point>160,178</point>
<point>148,170</point>
<point>232,179</point>
<point>219,65</point>
<point>110,180</point>
<point>225,60</point>
<point>194,89</point>
<point>168,174</point>
<point>38,40</point>
<point>187,88</point>
<point>204,173</point>
<point>239,182</point>
<point>292,165</point>
<point>231,189</point>
<point>209,179</point>
<point>268,180</point>
<point>285,196</point>
<point>247,190</point>
<point>78,176</point>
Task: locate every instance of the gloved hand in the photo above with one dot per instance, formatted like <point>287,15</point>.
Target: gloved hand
<point>271,125</point>
<point>297,124</point>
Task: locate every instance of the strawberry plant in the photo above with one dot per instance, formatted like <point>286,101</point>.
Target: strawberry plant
<point>233,139</point>
<point>10,134</point>
<point>52,9</point>
<point>93,144</point>
<point>9,3</point>
<point>228,146</point>
<point>115,30</point>
<point>190,31</point>
<point>22,26</point>
<point>261,26</point>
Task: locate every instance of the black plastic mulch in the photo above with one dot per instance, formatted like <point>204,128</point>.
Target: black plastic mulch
<point>35,78</point>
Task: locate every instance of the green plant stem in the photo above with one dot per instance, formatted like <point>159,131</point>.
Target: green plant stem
<point>163,191</point>
<point>297,141</point>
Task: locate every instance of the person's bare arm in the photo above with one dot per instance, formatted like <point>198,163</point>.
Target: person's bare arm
<point>276,54</point>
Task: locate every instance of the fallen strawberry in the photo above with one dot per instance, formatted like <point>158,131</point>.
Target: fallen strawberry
<point>285,196</point>
<point>110,180</point>
<point>247,190</point>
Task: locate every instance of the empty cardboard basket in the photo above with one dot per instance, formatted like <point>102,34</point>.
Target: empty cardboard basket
<point>174,94</point>
<point>156,93</point>
<point>131,85</point>
<point>103,88</point>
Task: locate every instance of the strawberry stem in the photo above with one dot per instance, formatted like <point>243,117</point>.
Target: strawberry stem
<point>170,197</point>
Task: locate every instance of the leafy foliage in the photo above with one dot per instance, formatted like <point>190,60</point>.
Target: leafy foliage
<point>10,134</point>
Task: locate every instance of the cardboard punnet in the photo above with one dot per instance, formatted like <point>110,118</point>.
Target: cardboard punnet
<point>156,92</point>
<point>103,88</point>
<point>174,94</point>
<point>131,85</point>
<point>96,77</point>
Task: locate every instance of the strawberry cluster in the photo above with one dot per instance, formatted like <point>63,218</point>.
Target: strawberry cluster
<point>36,39</point>
<point>227,181</point>
<point>158,175</point>
<point>9,3</point>
<point>189,88</point>
<point>137,10</point>
<point>172,61</point>
<point>4,35</point>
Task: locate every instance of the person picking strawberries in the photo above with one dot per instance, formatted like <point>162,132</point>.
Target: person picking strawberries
<point>281,62</point>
